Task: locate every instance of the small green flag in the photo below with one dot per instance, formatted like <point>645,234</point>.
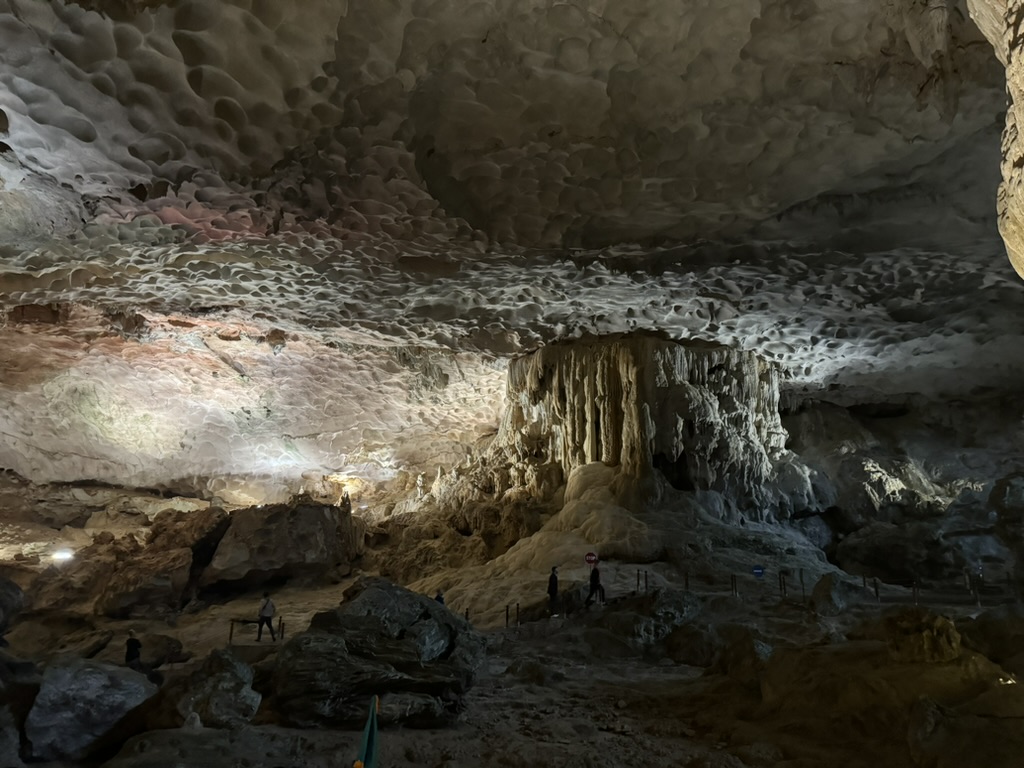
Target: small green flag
<point>368,751</point>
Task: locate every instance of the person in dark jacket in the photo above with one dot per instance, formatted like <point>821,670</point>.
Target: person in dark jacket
<point>596,590</point>
<point>553,590</point>
<point>133,651</point>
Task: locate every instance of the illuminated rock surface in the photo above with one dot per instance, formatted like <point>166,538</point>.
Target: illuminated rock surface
<point>695,288</point>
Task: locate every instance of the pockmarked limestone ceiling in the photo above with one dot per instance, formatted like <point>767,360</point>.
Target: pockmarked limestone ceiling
<point>243,243</point>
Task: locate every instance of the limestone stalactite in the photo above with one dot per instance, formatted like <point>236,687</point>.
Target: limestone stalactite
<point>703,416</point>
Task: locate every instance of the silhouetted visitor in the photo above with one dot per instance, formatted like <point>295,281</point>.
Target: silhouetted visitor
<point>439,597</point>
<point>553,590</point>
<point>267,611</point>
<point>133,651</point>
<point>596,590</point>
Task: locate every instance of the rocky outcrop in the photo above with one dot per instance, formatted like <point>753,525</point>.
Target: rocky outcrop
<point>694,416</point>
<point>915,635</point>
<point>982,732</point>
<point>149,584</point>
<point>998,634</point>
<point>300,538</point>
<point>651,618</point>
<point>898,554</point>
<point>704,416</point>
<point>383,640</point>
<point>75,585</point>
<point>199,531</point>
<point>832,595</point>
<point>19,686</point>
<point>219,693</point>
<point>79,703</point>
<point>10,740</point>
<point>11,601</point>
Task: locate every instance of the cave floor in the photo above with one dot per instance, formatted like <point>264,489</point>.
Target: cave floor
<point>571,691</point>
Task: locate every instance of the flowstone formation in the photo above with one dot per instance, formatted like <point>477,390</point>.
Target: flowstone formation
<point>705,416</point>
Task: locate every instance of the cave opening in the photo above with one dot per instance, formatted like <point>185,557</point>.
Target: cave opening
<point>675,471</point>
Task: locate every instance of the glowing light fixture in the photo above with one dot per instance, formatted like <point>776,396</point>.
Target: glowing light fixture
<point>63,555</point>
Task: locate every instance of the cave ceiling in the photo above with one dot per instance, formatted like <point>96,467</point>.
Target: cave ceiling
<point>242,242</point>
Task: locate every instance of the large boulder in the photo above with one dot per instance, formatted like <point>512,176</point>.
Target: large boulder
<point>983,731</point>
<point>651,618</point>
<point>997,634</point>
<point>916,635</point>
<point>75,585</point>
<point>79,703</point>
<point>832,595</point>
<point>384,640</point>
<point>696,645</point>
<point>11,601</point>
<point>221,692</point>
<point>743,654</point>
<point>151,584</point>
<point>898,554</point>
<point>19,686</point>
<point>10,740</point>
<point>199,531</point>
<point>45,636</point>
<point>297,539</point>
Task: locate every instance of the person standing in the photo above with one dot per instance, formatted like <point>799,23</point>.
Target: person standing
<point>553,591</point>
<point>266,617</point>
<point>133,651</point>
<point>596,590</point>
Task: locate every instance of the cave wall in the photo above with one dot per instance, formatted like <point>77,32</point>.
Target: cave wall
<point>209,407</point>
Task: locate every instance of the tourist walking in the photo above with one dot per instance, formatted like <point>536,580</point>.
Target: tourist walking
<point>266,617</point>
<point>596,590</point>
<point>553,591</point>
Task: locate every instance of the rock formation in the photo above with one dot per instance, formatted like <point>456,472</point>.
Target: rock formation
<point>11,599</point>
<point>706,417</point>
<point>296,539</point>
<point>455,293</point>
<point>80,702</point>
<point>415,654</point>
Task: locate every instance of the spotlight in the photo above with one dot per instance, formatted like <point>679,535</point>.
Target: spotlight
<point>61,555</point>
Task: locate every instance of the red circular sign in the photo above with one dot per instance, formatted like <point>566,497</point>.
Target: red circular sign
<point>590,557</point>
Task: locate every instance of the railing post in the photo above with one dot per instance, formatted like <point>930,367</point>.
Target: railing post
<point>231,632</point>
<point>638,581</point>
<point>785,589</point>
<point>506,615</point>
<point>735,589</point>
<point>803,589</point>
<point>878,597</point>
<point>517,615</point>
